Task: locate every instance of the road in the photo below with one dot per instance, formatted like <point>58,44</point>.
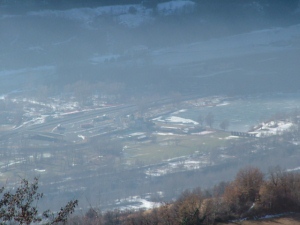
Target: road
<point>73,122</point>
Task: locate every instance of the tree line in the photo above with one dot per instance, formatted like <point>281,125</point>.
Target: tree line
<point>209,120</point>
<point>251,194</point>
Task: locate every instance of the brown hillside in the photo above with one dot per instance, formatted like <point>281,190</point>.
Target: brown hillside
<point>293,219</point>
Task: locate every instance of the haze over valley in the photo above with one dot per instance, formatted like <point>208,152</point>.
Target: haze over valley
<point>125,104</point>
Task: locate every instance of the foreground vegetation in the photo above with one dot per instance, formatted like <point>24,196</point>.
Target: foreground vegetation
<point>21,206</point>
<point>249,195</point>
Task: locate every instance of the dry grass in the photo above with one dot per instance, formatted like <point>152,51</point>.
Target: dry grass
<point>293,219</point>
<point>172,146</point>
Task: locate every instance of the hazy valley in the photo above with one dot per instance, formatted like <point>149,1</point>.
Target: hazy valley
<point>121,106</point>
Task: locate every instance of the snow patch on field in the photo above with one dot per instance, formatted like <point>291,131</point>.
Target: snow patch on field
<point>11,163</point>
<point>81,136</point>
<point>178,164</point>
<point>165,134</point>
<point>136,202</point>
<point>179,111</point>
<point>175,119</point>
<point>2,97</point>
<point>272,128</point>
<point>35,120</point>
<point>223,104</point>
<point>39,171</point>
<point>231,137</point>
<point>204,133</point>
<point>294,169</point>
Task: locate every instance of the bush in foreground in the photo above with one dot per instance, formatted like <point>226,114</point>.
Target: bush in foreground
<point>20,206</point>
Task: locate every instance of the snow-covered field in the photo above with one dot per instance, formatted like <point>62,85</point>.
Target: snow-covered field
<point>37,111</point>
<point>175,119</point>
<point>272,128</point>
<point>135,203</point>
<point>184,163</point>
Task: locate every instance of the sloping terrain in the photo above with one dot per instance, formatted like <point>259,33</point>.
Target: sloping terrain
<point>293,219</point>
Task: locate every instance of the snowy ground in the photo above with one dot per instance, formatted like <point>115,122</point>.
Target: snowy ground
<point>175,119</point>
<point>38,111</point>
<point>184,163</point>
<point>272,128</point>
<point>136,202</point>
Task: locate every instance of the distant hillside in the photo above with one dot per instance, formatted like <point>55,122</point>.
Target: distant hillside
<point>129,42</point>
<point>267,8</point>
